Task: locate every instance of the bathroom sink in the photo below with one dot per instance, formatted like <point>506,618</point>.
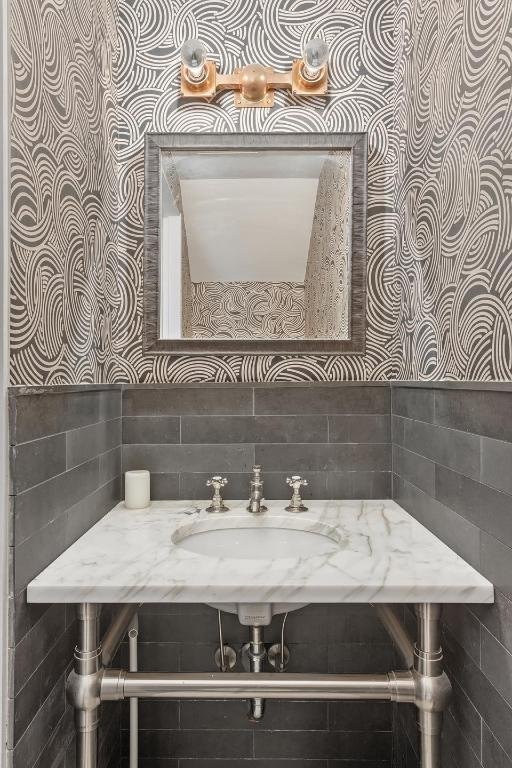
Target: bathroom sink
<point>257,539</point>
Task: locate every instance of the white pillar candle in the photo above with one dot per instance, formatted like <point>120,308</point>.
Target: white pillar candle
<point>136,489</point>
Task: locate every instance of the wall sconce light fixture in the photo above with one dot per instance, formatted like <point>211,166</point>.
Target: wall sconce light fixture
<point>254,85</point>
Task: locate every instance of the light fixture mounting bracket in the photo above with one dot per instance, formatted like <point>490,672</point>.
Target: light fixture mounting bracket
<point>254,85</point>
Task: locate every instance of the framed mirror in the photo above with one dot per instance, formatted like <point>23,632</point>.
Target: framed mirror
<point>255,243</point>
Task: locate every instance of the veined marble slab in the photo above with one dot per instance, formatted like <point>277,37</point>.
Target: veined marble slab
<point>380,554</point>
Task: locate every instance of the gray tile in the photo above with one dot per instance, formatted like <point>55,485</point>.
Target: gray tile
<point>495,560</point>
<point>480,412</point>
<point>449,447</point>
<point>157,657</point>
<point>493,754</point>
<point>195,744</point>
<point>358,485</point>
<point>497,665</point>
<point>300,458</point>
<point>192,628</point>
<point>457,532</point>
<point>360,715</point>
<point>283,715</point>
<point>37,643</point>
<point>359,428</point>
<point>85,443</point>
<point>315,744</point>
<point>301,428</point>
<point>39,415</point>
<point>54,752</point>
<point>413,403</point>
<point>33,463</point>
<point>158,762</point>
<point>154,714</point>
<point>415,469</point>
<point>35,508</point>
<point>397,430</point>
<point>151,429</point>
<point>37,552</point>
<point>492,707</point>
<point>466,717</point>
<point>358,764</point>
<point>24,616</point>
<point>497,464</point>
<point>455,749</point>
<point>251,762</point>
<point>187,458</point>
<point>29,745</point>
<point>340,398</point>
<point>187,400</point>
<point>29,701</point>
<point>165,485</point>
<point>497,617</point>
<point>109,465</point>
<point>90,509</point>
<point>490,510</point>
<point>355,658</point>
<point>464,627</point>
<point>353,623</point>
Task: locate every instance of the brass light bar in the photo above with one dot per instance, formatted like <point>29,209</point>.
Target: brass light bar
<point>254,85</point>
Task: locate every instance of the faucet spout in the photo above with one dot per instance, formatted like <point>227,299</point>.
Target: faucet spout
<point>255,506</point>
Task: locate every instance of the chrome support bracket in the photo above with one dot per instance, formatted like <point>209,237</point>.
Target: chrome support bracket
<point>432,686</point>
<point>84,685</point>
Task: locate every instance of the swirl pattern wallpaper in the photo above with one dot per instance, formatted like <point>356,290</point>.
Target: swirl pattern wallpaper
<point>64,275</point>
<point>453,198</point>
<point>428,80</point>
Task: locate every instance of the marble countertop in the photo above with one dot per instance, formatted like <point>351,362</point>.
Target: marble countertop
<point>381,554</point>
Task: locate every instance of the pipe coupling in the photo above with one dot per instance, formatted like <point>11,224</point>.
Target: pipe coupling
<point>432,694</point>
<point>402,687</point>
<point>83,691</point>
<point>112,685</point>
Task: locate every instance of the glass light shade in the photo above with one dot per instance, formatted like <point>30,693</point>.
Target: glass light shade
<point>315,55</point>
<point>193,56</point>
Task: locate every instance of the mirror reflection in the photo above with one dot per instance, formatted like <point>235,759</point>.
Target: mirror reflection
<point>255,244</point>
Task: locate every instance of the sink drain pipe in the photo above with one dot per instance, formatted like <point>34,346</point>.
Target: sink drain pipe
<point>257,655</point>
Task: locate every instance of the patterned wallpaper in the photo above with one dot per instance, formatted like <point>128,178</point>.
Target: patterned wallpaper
<point>326,284</point>
<point>360,33</point>
<point>64,287</point>
<point>430,82</point>
<point>248,310</point>
<point>454,189</point>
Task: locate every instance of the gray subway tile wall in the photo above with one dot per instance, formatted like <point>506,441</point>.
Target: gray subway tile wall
<point>338,434</point>
<point>65,475</point>
<point>452,464</point>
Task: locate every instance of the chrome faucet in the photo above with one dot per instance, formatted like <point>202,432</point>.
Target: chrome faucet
<point>255,506</point>
<point>217,482</point>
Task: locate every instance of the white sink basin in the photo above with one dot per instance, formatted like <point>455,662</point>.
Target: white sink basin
<point>258,538</point>
<point>258,543</point>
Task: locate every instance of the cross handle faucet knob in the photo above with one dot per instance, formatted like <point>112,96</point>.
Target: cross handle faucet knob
<point>217,482</point>
<point>296,482</point>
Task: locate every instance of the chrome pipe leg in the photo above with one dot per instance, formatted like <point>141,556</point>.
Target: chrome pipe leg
<point>431,727</point>
<point>433,689</point>
<point>84,685</point>
<point>257,655</point>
